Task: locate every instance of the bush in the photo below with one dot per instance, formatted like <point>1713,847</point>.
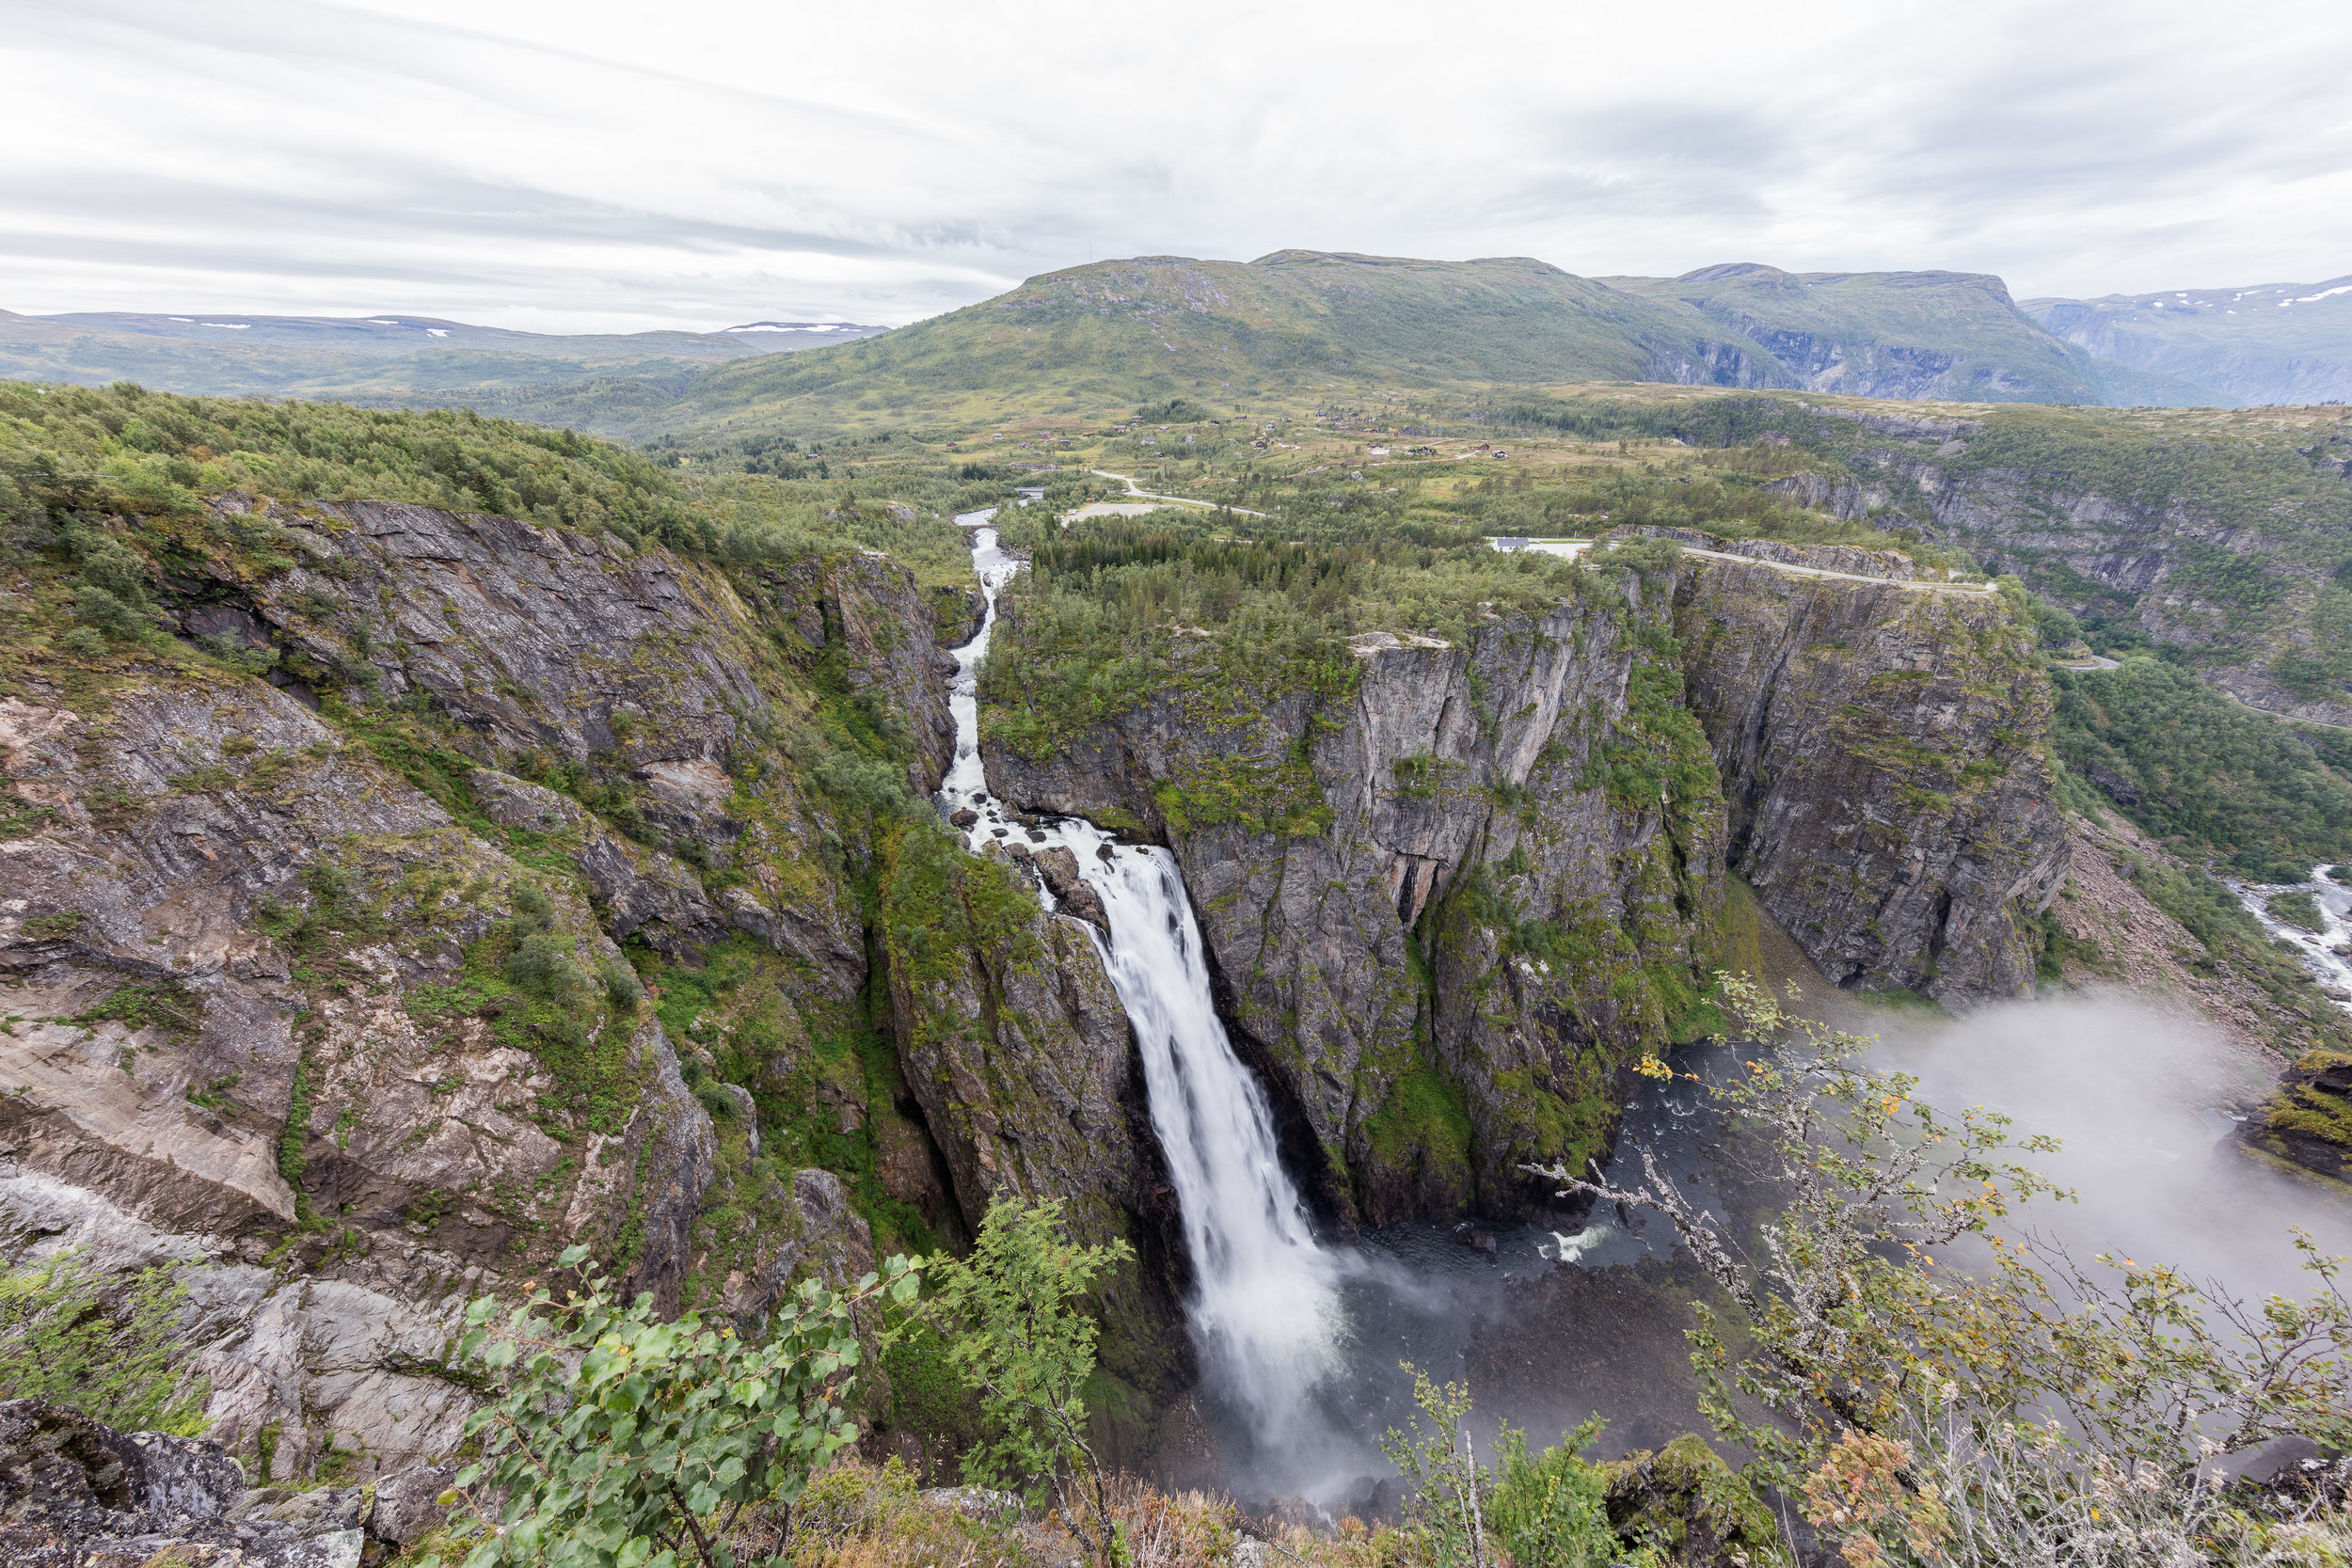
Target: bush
<point>2298,909</point>
<point>1017,1342</point>
<point>615,1440</point>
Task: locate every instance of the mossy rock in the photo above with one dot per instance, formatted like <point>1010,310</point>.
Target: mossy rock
<point>1684,1504</point>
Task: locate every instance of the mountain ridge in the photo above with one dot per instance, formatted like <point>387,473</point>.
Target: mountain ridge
<point>2231,340</point>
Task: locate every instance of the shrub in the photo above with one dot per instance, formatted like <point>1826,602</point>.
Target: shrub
<point>616,1440</point>
<point>2298,909</point>
<point>1017,1341</point>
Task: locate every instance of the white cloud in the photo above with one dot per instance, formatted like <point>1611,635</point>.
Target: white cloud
<point>603,166</point>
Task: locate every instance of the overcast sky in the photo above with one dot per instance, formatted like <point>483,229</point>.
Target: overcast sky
<point>588,165</point>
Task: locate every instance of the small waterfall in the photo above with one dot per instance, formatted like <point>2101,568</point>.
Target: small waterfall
<point>1266,1308</point>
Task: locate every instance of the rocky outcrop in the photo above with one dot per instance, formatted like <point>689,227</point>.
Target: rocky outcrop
<point>315,998</point>
<point>1451,810</point>
<point>1879,748</point>
<point>74,1491</point>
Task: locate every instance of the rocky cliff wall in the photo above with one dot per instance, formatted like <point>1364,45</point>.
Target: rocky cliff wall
<point>2207,539</point>
<point>1880,753</point>
<point>311,955</point>
<point>1444,805</point>
<point>1451,894</point>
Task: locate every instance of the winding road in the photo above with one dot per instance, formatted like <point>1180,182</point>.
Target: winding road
<point>1571,549</point>
<point>1148,496</point>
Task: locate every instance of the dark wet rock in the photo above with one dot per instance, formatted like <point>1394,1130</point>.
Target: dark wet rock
<point>1072,894</point>
<point>964,818</point>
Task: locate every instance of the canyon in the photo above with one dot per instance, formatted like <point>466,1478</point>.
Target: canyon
<point>322,950</point>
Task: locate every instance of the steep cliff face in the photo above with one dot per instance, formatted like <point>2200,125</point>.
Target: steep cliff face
<point>1451,891</point>
<point>2221,535</point>
<point>1879,747</point>
<point>310,949</point>
<point>1440,925</point>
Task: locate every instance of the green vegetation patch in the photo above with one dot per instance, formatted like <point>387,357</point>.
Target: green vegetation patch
<point>2209,776</point>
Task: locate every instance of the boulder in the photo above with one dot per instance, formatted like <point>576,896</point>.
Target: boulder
<point>1691,1509</point>
<point>1071,892</point>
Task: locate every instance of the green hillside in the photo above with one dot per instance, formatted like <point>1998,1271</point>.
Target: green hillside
<point>1104,337</point>
<point>1099,339</point>
<point>2265,344</point>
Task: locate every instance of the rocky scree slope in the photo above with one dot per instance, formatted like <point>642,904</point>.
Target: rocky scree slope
<point>1451,891</point>
<point>311,951</point>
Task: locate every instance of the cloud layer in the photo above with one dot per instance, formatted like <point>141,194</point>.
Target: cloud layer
<point>601,167</point>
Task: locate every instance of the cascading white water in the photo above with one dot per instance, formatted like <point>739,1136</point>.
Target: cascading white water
<point>1266,1302</point>
<point>2326,953</point>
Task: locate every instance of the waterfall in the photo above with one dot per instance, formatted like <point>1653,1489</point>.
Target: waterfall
<point>1265,1300</point>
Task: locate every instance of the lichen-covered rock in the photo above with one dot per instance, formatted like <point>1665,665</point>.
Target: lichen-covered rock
<point>1684,1503</point>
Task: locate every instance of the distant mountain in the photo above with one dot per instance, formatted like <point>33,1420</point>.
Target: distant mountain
<point>1954,335</point>
<point>1115,332</point>
<point>1101,338</point>
<point>2270,343</point>
<point>366,358</point>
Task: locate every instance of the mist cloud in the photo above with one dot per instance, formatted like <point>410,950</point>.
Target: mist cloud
<point>2141,1101</point>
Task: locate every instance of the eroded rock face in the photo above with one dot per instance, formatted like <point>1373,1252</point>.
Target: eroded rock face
<point>1880,753</point>
<point>1497,874</point>
<point>1448,804</point>
<point>267,1020</point>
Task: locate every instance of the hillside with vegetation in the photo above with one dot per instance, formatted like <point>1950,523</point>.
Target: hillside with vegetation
<point>454,861</point>
<point>1290,330</point>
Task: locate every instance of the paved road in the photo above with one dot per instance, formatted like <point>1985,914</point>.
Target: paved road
<point>1980,589</point>
<point>1571,549</point>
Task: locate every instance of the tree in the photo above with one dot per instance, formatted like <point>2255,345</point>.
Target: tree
<point>619,1441</point>
<point>1016,1339</point>
<point>2029,1409</point>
